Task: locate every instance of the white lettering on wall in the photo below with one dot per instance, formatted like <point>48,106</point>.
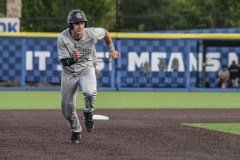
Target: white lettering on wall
<point>42,55</point>
<point>156,56</point>
<point>193,66</point>
<point>179,58</point>
<point>212,61</point>
<point>137,61</point>
<point>29,60</point>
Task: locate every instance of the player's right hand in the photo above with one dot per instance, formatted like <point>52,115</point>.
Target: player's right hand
<point>114,54</point>
<point>76,55</point>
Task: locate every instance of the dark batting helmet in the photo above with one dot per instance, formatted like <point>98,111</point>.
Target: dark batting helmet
<point>76,16</point>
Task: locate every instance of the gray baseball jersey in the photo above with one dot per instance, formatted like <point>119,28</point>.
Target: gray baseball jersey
<point>86,47</point>
<point>82,72</point>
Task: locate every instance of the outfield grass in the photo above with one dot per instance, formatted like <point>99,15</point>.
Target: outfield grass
<point>233,128</point>
<point>111,99</point>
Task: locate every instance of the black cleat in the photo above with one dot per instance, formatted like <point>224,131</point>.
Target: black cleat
<point>89,124</point>
<point>75,137</point>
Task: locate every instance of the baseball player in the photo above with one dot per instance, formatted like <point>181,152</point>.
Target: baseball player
<point>77,54</point>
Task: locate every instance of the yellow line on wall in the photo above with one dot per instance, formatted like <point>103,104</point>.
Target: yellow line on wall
<point>217,36</point>
<point>230,36</point>
<point>28,34</point>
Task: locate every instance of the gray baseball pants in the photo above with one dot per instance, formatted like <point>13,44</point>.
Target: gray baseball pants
<point>69,88</point>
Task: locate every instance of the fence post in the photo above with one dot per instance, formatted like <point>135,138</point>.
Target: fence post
<point>23,65</point>
<point>187,52</point>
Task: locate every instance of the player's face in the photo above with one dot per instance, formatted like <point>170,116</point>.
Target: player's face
<point>78,29</point>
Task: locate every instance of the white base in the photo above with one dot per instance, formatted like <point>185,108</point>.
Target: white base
<point>100,117</point>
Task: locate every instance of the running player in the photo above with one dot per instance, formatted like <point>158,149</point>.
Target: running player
<point>77,53</point>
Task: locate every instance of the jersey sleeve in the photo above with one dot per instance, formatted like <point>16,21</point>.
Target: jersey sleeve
<point>62,48</point>
<point>97,33</point>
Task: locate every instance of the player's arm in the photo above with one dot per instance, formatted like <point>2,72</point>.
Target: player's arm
<point>67,61</point>
<point>112,52</point>
<point>71,60</point>
<point>64,55</point>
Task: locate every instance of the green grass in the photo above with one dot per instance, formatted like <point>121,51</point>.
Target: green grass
<point>111,99</point>
<point>233,128</point>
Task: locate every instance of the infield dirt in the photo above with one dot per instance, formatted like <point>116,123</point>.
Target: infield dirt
<point>128,135</point>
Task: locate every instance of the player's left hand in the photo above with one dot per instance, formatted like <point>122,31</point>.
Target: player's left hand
<point>114,54</point>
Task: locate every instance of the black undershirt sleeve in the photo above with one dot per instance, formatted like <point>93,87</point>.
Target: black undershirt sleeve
<point>67,61</point>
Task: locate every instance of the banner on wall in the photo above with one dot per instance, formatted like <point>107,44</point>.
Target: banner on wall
<point>9,25</point>
<point>143,63</point>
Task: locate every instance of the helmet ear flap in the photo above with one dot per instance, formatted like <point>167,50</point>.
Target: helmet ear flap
<point>70,26</point>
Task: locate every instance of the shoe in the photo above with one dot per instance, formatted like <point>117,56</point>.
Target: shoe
<point>89,124</point>
<point>75,137</point>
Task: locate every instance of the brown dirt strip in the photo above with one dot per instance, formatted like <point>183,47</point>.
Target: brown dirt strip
<point>129,135</point>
